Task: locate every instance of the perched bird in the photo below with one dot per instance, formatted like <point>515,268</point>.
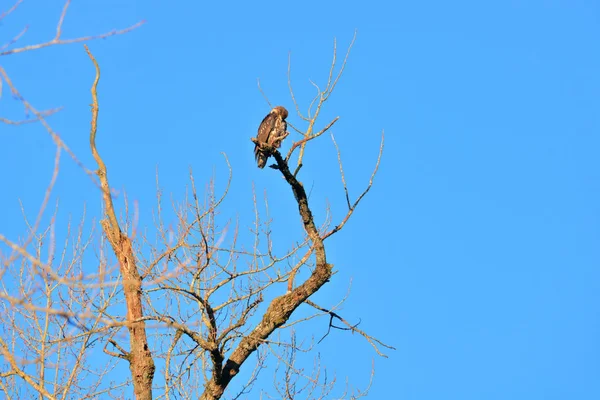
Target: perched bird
<point>272,131</point>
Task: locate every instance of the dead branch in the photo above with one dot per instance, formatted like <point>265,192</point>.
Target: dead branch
<point>349,327</point>
<point>140,358</point>
<point>10,10</point>
<point>352,208</point>
<point>282,307</point>
<point>308,138</point>
<point>44,113</point>
<point>57,40</point>
<point>8,356</point>
<point>320,98</point>
<point>41,118</point>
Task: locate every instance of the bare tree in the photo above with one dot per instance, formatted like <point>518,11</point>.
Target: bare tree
<point>184,304</point>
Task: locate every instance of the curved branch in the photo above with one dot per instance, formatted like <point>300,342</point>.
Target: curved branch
<point>282,307</point>
<point>141,363</point>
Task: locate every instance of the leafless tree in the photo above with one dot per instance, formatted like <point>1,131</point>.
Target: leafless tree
<point>185,303</point>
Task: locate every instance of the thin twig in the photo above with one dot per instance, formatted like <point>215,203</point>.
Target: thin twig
<point>289,75</point>
<point>44,113</point>
<point>54,42</point>
<point>15,39</point>
<point>10,10</point>
<point>309,137</point>
<point>339,156</point>
<point>40,117</point>
<point>329,89</point>
<point>354,328</point>
<point>351,210</point>
<point>263,93</point>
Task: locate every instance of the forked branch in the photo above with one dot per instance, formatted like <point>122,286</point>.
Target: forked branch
<point>349,327</point>
<point>282,307</point>
<point>318,101</point>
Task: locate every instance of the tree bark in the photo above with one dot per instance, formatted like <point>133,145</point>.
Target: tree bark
<point>140,359</point>
<point>281,308</point>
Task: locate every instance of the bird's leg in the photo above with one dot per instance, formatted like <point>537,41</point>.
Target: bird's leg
<point>261,145</point>
<point>279,139</point>
<point>283,135</point>
<point>266,147</point>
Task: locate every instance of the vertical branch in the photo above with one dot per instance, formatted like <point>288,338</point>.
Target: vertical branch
<point>318,101</point>
<point>339,156</point>
<point>289,76</point>
<point>140,359</point>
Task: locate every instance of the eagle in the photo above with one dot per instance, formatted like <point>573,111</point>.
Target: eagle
<point>272,131</point>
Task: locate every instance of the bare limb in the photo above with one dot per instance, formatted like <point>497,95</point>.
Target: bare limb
<point>45,113</point>
<point>141,362</point>
<point>331,86</point>
<point>354,328</point>
<point>339,156</point>
<point>263,93</point>
<point>18,371</point>
<point>10,10</point>
<point>351,210</point>
<point>282,307</point>
<point>57,41</point>
<point>15,39</point>
<point>308,138</point>
<point>40,117</point>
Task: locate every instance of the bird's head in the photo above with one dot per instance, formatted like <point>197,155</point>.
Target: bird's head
<point>281,111</point>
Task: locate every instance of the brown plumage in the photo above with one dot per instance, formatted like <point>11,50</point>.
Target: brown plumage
<point>272,131</point>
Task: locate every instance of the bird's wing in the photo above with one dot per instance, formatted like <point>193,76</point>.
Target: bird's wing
<point>264,131</point>
<point>265,128</point>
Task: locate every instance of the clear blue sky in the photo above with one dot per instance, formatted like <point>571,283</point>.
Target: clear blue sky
<point>476,254</point>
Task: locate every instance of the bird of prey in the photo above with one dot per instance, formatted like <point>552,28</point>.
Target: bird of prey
<point>272,131</point>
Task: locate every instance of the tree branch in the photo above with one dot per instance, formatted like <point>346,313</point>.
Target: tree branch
<point>373,341</point>
<point>282,307</point>
<point>141,363</point>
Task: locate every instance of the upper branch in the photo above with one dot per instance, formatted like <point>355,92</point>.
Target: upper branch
<point>102,175</point>
<point>141,362</point>
<point>352,207</point>
<point>57,38</point>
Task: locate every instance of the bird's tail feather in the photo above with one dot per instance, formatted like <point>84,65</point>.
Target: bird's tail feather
<point>261,159</point>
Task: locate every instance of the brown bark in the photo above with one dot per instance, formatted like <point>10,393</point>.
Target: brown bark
<point>281,308</point>
<point>140,359</point>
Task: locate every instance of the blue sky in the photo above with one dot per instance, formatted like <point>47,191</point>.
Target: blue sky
<point>476,252</point>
